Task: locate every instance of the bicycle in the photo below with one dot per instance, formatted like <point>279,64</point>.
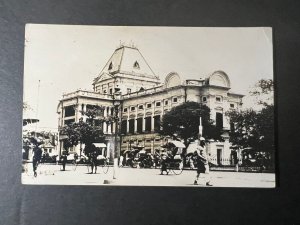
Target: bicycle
<point>173,164</point>
<point>175,167</point>
<point>74,165</point>
<point>105,166</point>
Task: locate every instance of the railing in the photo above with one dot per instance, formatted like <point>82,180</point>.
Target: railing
<point>87,94</point>
<point>221,161</point>
<point>143,92</point>
<point>124,96</point>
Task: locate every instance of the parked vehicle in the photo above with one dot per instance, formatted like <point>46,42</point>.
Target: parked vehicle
<point>172,159</point>
<point>145,159</point>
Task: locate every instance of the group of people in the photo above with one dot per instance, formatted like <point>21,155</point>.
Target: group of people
<point>199,156</point>
<point>139,159</point>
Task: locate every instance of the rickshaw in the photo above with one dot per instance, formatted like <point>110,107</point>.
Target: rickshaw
<point>145,159</point>
<point>96,157</point>
<point>131,156</point>
<point>171,159</point>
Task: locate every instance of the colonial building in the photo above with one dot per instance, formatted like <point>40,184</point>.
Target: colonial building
<point>144,99</point>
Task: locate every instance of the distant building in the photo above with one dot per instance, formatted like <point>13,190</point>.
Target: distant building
<point>145,99</point>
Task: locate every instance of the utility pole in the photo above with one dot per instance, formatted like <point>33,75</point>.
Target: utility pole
<point>116,103</point>
<point>37,106</point>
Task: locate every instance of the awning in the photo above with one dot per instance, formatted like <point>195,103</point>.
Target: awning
<point>29,121</point>
<point>178,144</point>
<point>99,145</point>
<point>192,147</point>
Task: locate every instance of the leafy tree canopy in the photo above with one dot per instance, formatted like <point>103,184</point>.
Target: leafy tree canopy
<point>263,91</point>
<point>85,132</point>
<point>182,122</point>
<point>252,128</point>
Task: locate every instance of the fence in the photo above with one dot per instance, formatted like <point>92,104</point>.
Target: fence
<point>221,161</point>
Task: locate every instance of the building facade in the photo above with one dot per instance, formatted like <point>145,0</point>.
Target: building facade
<point>144,99</point>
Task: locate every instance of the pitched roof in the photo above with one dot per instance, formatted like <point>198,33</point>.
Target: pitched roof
<point>127,60</point>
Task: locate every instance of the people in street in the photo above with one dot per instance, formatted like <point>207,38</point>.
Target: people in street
<point>93,161</point>
<point>202,163</point>
<point>64,158</point>
<point>37,155</point>
<point>163,163</point>
<point>165,158</point>
<point>121,161</point>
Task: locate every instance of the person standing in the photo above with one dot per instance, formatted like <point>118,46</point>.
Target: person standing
<point>202,163</point>
<point>37,155</point>
<point>164,160</point>
<point>64,158</point>
<point>121,161</point>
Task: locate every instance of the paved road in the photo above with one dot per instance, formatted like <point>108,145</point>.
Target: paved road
<point>51,175</point>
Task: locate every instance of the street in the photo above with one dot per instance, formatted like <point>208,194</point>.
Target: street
<point>52,175</point>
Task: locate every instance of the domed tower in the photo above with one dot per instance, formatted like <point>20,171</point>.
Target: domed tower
<point>127,70</point>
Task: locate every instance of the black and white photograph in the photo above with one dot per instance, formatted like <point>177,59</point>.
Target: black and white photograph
<point>148,106</point>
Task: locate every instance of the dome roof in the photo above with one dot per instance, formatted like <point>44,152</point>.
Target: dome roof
<point>128,60</point>
<point>219,78</point>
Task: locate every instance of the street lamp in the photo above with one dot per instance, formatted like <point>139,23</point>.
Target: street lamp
<point>116,103</point>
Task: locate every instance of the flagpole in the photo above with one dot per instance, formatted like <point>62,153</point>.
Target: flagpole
<point>37,106</point>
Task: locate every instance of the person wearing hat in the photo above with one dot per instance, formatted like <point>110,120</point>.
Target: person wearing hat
<point>202,162</point>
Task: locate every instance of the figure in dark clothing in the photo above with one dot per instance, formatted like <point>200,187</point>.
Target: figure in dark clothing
<point>37,155</point>
<point>64,158</point>
<point>93,160</point>
<point>202,163</point>
<point>165,159</point>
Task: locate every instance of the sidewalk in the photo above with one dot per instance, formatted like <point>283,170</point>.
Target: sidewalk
<point>51,175</point>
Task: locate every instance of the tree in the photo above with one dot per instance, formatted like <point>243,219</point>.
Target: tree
<point>263,91</point>
<point>73,135</point>
<point>255,129</point>
<point>245,133</point>
<point>182,122</point>
<point>85,132</point>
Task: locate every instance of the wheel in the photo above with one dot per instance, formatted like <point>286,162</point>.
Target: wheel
<point>105,167</point>
<point>178,170</point>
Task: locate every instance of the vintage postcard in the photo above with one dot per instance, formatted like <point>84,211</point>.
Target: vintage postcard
<point>148,106</point>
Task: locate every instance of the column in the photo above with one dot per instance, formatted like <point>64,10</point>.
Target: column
<point>78,113</point>
<point>135,120</point>
<point>104,123</point>
<point>62,116</point>
<point>84,110</point>
<point>108,125</point>
<point>152,117</point>
<point>127,131</point>
<point>144,121</point>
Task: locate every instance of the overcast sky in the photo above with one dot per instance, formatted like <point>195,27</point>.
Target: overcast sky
<point>65,58</point>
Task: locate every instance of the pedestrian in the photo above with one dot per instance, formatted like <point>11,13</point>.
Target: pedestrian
<point>37,155</point>
<point>93,161</point>
<point>202,163</point>
<point>121,161</point>
<point>64,159</point>
<point>164,163</point>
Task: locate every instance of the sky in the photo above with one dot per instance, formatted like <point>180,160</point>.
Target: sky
<point>64,58</point>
